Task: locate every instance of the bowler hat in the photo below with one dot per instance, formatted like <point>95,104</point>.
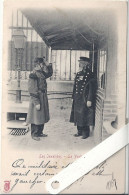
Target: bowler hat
<point>85,59</point>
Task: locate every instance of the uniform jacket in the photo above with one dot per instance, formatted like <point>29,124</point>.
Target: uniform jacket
<point>37,87</point>
<point>84,90</point>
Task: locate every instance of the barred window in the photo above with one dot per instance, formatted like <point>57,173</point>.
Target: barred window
<point>102,61</point>
<point>35,46</point>
<point>65,63</point>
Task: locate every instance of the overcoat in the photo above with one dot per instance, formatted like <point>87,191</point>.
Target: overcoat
<point>37,87</point>
<point>84,90</point>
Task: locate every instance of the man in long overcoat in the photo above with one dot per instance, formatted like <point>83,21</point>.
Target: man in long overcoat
<point>38,113</point>
<point>84,92</point>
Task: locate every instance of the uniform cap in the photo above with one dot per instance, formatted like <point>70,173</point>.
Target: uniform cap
<point>39,60</point>
<point>85,59</point>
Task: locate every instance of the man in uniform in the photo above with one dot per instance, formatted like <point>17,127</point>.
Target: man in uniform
<point>84,91</point>
<point>38,113</point>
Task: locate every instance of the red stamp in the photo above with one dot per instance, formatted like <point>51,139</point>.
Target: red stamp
<point>6,186</point>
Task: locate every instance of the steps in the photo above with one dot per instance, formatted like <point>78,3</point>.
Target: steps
<point>110,109</point>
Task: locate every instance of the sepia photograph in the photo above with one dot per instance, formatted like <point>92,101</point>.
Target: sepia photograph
<point>63,91</point>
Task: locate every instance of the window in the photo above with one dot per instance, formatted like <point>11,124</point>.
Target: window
<point>65,63</point>
<point>102,59</point>
<point>35,46</point>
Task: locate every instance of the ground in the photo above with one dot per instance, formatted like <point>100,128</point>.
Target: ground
<point>59,130</point>
<point>60,137</point>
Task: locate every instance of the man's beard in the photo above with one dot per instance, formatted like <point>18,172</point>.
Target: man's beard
<point>45,69</point>
<point>80,68</point>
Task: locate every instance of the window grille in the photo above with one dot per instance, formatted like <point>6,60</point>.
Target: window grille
<point>65,63</point>
<point>34,47</point>
<point>102,61</point>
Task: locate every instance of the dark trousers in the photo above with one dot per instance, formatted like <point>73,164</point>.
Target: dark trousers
<point>36,130</point>
<point>84,130</point>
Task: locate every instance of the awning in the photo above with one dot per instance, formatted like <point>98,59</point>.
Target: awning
<point>72,29</point>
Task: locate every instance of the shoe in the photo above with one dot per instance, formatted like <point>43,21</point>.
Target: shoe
<point>84,137</point>
<point>77,135</point>
<point>36,138</point>
<point>43,135</point>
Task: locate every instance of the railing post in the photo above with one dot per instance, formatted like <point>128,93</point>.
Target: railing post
<point>70,64</point>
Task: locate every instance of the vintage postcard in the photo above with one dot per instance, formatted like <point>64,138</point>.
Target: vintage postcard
<point>63,92</point>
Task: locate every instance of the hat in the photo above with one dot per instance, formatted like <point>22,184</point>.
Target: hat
<point>38,59</point>
<point>85,59</point>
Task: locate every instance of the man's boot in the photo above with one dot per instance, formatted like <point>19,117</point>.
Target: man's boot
<point>34,132</point>
<point>40,131</point>
<point>85,132</point>
<point>79,133</point>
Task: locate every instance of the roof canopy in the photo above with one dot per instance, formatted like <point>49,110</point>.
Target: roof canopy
<point>75,29</point>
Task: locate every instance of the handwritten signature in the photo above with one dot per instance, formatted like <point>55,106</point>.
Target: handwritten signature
<point>111,183</point>
<point>100,171</point>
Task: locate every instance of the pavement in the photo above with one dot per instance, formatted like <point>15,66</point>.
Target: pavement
<point>60,137</point>
<point>59,130</point>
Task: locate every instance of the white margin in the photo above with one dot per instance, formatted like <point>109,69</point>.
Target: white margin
<point>1,46</point>
<point>127,169</point>
<point>127,106</point>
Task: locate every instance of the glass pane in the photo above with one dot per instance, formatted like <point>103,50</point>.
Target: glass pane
<point>15,18</point>
<point>29,25</point>
<point>9,35</point>
<point>39,39</point>
<point>68,65</point>
<point>19,18</point>
<point>105,62</point>
<point>26,34</point>
<point>65,64</point>
<point>29,35</point>
<point>61,63</point>
<point>83,53</point>
<point>77,58</point>
<point>34,36</point>
<point>54,63</point>
<point>72,65</point>
<point>57,68</point>
<point>87,53</point>
<point>24,21</point>
<point>102,68</point>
